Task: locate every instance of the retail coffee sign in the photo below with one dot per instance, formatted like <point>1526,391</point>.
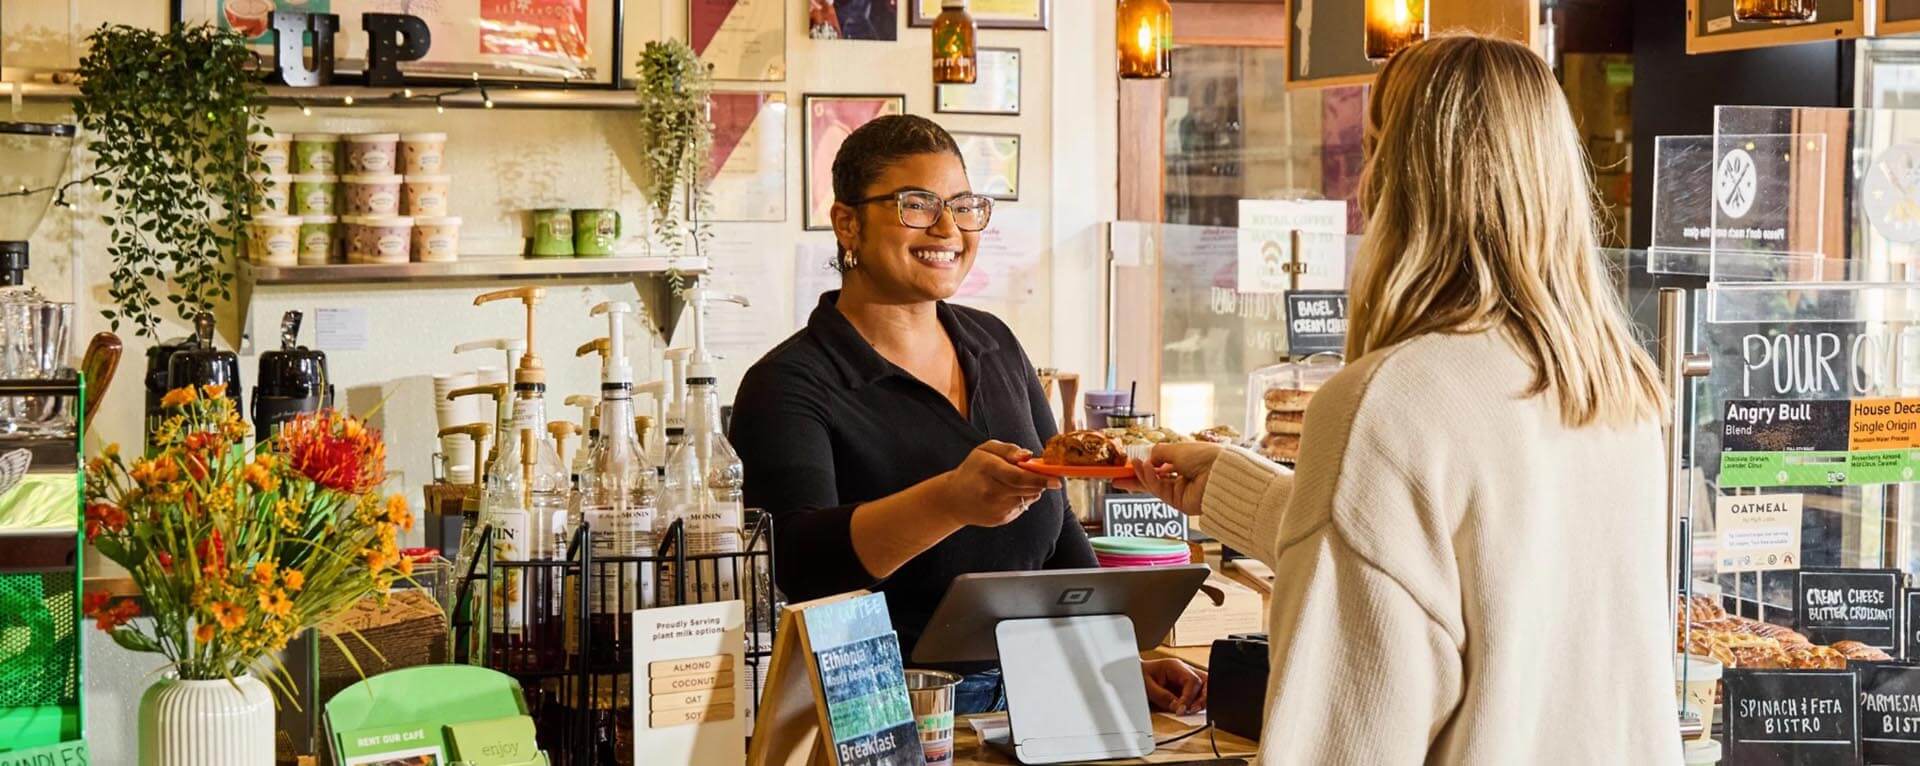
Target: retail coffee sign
<point>1316,322</point>
<point>1850,605</point>
<point>1143,516</point>
<point>1792,717</point>
<point>1889,712</point>
<point>1757,533</point>
<point>1291,245</point>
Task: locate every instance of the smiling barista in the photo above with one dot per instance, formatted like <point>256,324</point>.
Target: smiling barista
<point>884,436</point>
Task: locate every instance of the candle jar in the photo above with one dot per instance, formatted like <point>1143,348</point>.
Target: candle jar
<point>1393,25</point>
<point>1144,35</point>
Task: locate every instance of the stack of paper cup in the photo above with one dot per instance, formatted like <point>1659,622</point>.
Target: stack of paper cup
<point>457,412</point>
<point>487,376</point>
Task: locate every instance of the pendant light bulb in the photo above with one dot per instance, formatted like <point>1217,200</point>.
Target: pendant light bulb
<point>1393,25</point>
<point>1145,32</point>
<point>956,59</point>
<point>1775,11</point>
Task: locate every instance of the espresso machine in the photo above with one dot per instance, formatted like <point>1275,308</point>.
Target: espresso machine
<point>292,381</point>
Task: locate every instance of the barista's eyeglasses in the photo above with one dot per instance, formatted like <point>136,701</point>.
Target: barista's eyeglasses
<point>921,209</point>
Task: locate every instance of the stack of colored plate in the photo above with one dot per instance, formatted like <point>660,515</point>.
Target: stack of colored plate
<point>1114,552</point>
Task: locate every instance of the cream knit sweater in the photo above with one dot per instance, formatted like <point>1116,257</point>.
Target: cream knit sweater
<point>1459,578</point>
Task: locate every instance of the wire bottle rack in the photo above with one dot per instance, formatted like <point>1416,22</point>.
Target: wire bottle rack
<point>564,628</point>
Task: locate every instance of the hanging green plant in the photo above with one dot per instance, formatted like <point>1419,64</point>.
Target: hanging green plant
<point>167,116</point>
<point>676,132</point>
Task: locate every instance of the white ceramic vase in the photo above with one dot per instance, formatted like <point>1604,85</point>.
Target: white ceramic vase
<point>206,723</point>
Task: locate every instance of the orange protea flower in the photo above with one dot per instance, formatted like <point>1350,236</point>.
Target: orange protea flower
<point>179,397</point>
<point>275,602</point>
<point>229,614</point>
<point>335,451</point>
<point>294,579</point>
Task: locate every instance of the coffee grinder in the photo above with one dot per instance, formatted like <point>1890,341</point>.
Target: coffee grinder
<point>33,159</point>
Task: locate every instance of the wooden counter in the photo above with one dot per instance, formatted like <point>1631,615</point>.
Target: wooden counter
<point>968,751</point>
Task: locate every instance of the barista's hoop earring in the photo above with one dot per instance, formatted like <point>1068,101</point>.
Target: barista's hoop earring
<point>848,260</point>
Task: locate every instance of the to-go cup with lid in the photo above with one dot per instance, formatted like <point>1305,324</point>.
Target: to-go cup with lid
<point>1696,690</point>
<point>422,153</point>
<point>371,152</point>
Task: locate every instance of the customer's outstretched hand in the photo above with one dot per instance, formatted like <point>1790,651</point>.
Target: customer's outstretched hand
<point>1176,473</point>
<point>1174,686</point>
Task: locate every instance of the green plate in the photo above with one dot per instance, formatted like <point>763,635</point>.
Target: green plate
<point>1137,545</point>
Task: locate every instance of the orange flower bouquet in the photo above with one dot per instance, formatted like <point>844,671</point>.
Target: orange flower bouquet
<point>235,551</point>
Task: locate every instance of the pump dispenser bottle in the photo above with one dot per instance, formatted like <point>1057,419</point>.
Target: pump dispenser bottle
<point>704,474</point>
<point>618,500</point>
<point>529,459</point>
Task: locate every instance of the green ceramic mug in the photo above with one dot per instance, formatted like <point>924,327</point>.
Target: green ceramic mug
<point>595,232</point>
<point>552,232</point>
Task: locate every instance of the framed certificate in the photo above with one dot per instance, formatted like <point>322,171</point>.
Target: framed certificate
<point>989,14</point>
<point>748,171</point>
<point>830,119</point>
<point>740,39</point>
<point>995,91</point>
<point>500,41</point>
<point>993,163</point>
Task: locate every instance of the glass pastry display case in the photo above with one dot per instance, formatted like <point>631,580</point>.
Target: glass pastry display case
<point>1794,452</point>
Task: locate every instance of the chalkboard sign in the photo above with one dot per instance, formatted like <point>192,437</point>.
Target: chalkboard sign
<point>1898,17</point>
<point>1143,516</point>
<point>1889,712</point>
<point>1850,605</point>
<point>1710,26</point>
<point>857,655</point>
<point>1316,322</point>
<point>1910,627</point>
<point>1792,717</point>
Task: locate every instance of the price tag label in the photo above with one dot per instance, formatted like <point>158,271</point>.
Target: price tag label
<point>1143,516</point>
<point>1757,533</point>
<point>1850,605</point>
<point>1792,717</point>
<point>1316,321</point>
<point>1889,712</point>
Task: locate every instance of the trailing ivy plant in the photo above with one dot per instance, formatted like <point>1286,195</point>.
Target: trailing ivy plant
<point>167,116</point>
<point>676,132</point>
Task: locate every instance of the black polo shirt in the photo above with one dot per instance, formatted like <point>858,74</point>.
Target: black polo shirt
<point>824,423</point>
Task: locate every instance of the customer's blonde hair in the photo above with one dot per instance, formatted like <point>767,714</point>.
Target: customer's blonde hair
<point>1479,217</point>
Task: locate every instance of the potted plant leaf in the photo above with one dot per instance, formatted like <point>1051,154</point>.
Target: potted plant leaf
<point>167,115</point>
<point>676,134</point>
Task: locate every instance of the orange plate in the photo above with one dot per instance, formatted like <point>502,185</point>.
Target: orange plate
<point>1079,471</point>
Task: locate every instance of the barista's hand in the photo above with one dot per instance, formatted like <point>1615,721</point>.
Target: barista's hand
<point>1176,473</point>
<point>989,488</point>
<point>1174,686</point>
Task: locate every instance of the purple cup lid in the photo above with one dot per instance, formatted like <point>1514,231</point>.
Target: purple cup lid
<point>1106,398</point>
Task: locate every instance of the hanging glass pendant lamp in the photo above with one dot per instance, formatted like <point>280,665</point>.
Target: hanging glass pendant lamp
<point>955,56</point>
<point>1393,25</point>
<point>1144,35</point>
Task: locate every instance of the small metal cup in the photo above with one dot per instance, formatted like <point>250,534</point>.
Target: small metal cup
<point>931,693</point>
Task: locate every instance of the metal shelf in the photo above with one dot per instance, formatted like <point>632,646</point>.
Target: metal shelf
<point>650,277</point>
<point>451,96</point>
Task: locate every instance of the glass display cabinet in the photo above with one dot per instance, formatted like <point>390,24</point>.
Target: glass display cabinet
<point>1791,346</point>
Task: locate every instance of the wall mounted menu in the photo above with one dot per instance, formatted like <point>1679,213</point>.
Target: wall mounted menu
<point>1792,717</point>
<point>1819,443</point>
<point>1889,712</point>
<point>1850,605</point>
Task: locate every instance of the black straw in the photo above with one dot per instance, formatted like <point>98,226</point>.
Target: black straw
<point>1133,390</point>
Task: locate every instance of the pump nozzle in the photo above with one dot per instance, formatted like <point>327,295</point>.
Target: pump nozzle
<point>513,346</point>
<point>587,405</point>
<point>530,370</point>
<point>560,430</point>
<point>701,365</point>
<point>658,390</point>
<point>498,391</point>
<point>614,369</point>
<point>596,346</point>
<point>478,432</point>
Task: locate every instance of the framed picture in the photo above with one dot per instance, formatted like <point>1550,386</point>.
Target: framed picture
<point>830,118</point>
<point>747,174</point>
<point>989,14</point>
<point>995,91</point>
<point>993,163</point>
<point>500,41</point>
<point>740,39</point>
<point>853,19</point>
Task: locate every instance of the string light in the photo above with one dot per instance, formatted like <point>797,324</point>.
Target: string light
<point>406,93</point>
<point>486,100</point>
<point>347,100</point>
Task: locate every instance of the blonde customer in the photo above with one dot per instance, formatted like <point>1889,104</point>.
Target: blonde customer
<point>1468,563</point>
